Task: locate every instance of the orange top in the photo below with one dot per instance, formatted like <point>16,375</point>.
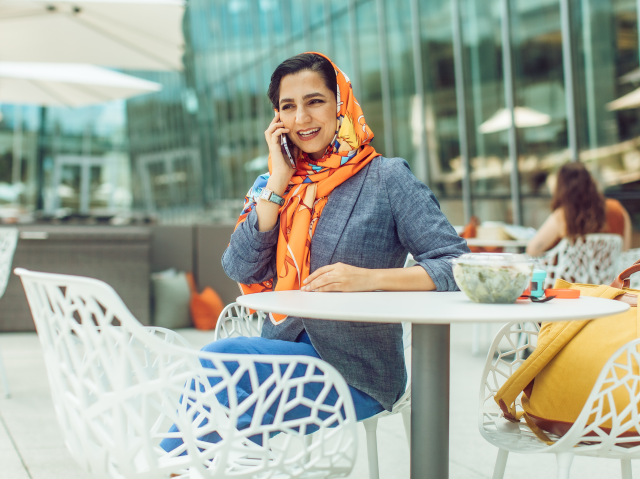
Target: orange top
<point>614,217</point>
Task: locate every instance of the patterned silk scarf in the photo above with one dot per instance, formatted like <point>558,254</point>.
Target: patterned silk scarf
<point>309,189</point>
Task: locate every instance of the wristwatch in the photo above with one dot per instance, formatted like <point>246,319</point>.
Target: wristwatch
<point>268,195</point>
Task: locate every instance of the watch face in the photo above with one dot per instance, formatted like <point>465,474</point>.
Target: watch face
<point>265,194</point>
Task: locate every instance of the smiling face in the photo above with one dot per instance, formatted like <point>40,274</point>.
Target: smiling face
<point>308,109</point>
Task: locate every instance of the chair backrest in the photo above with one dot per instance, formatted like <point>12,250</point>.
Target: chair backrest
<point>236,320</point>
<point>621,372</point>
<point>118,387</point>
<point>620,375</point>
<point>8,243</point>
<point>590,259</point>
<point>507,353</point>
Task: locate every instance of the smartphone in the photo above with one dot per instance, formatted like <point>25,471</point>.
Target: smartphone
<point>284,146</point>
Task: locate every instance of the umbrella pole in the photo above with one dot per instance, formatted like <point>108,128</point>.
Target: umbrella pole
<point>40,160</point>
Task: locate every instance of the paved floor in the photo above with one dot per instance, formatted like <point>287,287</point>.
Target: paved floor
<point>31,446</point>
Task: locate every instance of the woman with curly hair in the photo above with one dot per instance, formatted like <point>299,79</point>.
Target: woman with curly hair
<point>579,209</point>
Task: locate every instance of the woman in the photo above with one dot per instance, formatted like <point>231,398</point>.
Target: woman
<point>343,219</point>
<point>579,209</point>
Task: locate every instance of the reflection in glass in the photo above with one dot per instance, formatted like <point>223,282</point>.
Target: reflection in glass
<point>68,189</point>
<point>217,106</point>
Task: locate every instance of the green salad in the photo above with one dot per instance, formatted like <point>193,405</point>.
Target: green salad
<point>492,283</point>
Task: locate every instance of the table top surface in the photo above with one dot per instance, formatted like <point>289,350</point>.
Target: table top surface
<point>426,307</point>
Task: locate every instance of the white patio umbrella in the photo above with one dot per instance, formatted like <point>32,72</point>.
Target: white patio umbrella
<point>525,118</point>
<point>625,102</point>
<point>632,77</point>
<point>59,84</point>
<point>137,34</point>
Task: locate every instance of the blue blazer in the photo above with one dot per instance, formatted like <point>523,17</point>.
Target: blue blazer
<point>372,220</point>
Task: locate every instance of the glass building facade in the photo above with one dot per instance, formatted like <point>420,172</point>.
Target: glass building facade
<point>440,81</point>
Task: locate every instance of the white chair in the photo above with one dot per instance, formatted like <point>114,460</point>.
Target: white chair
<point>627,258</point>
<point>117,388</point>
<point>585,438</point>
<point>591,259</point>
<point>236,320</point>
<point>8,243</point>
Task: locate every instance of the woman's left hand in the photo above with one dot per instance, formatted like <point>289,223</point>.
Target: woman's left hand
<point>340,277</point>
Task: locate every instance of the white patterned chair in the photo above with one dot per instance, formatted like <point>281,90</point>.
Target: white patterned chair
<point>585,438</point>
<point>8,243</point>
<point>592,259</point>
<point>117,387</point>
<point>627,258</point>
<point>236,320</point>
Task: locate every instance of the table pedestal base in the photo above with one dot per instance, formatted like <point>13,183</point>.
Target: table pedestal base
<point>430,401</point>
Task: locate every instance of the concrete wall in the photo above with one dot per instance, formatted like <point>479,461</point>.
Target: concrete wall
<point>117,255</point>
<point>211,241</point>
<point>197,249</point>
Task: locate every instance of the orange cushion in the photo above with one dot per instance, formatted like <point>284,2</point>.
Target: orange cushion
<point>205,308</point>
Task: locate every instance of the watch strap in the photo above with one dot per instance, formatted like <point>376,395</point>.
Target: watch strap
<point>268,195</point>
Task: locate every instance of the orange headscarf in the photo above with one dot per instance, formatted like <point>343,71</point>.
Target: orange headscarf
<point>309,189</point>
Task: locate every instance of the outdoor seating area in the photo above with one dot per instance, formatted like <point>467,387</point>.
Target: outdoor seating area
<point>94,351</point>
<point>370,239</point>
<point>31,444</point>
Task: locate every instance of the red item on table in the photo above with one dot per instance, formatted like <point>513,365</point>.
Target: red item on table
<point>562,293</point>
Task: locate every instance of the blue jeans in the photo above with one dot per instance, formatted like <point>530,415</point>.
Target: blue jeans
<point>365,405</point>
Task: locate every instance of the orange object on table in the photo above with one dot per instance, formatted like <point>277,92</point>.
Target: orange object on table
<point>562,293</point>
<point>471,231</point>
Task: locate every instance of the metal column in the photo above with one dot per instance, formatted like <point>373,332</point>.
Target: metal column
<point>42,140</point>
<point>509,97</point>
<point>462,108</point>
<point>569,94</point>
<point>306,26</point>
<point>328,19</point>
<point>419,81</point>
<point>353,47</point>
<point>16,167</point>
<point>638,24</point>
<point>476,77</point>
<point>265,118</point>
<point>430,401</point>
<point>384,79</point>
<point>590,88</point>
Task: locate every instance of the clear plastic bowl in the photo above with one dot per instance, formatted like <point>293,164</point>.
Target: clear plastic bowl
<point>492,277</point>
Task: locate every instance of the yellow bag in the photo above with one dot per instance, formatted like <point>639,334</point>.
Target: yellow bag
<point>560,374</point>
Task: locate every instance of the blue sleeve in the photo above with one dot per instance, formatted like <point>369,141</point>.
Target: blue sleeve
<point>423,229</point>
<point>251,255</point>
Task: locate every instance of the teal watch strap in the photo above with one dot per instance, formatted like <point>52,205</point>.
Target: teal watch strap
<point>268,195</point>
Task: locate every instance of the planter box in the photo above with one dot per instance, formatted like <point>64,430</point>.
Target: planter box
<point>120,256</point>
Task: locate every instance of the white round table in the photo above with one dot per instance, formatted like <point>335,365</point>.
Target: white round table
<point>431,314</point>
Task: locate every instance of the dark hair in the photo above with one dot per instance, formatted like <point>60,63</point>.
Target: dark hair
<point>304,61</point>
<point>577,194</point>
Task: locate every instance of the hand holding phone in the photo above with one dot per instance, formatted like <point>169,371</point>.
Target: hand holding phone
<point>284,146</point>
<point>282,152</point>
